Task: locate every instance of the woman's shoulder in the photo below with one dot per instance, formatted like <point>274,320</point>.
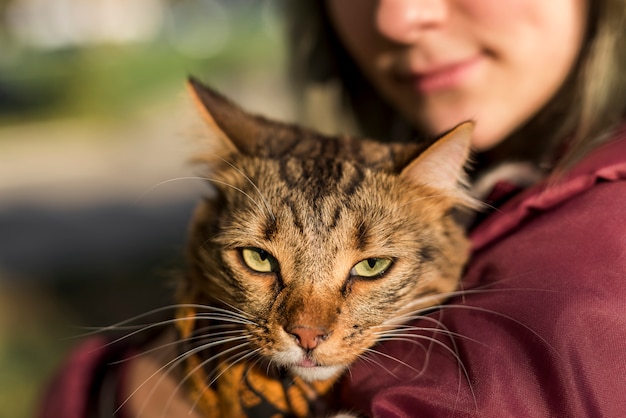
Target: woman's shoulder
<point>592,193</point>
<point>566,236</point>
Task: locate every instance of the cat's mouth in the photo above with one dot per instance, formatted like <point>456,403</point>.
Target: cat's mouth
<point>307,362</point>
<point>311,371</point>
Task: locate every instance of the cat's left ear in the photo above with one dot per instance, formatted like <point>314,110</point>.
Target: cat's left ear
<point>442,165</point>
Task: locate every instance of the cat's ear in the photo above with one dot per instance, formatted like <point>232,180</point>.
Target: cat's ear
<point>237,129</point>
<point>234,128</point>
<point>442,165</point>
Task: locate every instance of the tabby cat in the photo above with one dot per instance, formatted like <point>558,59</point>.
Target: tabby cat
<point>309,250</point>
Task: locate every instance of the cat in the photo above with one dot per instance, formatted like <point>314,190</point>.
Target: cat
<point>310,248</point>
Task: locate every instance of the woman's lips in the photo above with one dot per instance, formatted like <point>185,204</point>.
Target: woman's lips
<point>440,77</point>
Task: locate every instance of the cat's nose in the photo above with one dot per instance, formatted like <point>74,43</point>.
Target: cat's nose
<point>308,338</point>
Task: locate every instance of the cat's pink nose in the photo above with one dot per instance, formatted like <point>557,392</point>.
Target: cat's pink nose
<point>308,338</point>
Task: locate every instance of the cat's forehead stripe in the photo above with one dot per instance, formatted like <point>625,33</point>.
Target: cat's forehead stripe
<point>318,178</point>
<point>320,219</point>
<point>362,236</point>
<point>302,144</point>
<point>293,208</point>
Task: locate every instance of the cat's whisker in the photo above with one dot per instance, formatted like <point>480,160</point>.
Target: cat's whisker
<point>253,184</point>
<point>403,319</point>
<point>191,372</point>
<point>386,335</point>
<point>230,364</point>
<point>240,311</point>
<point>443,330</point>
<point>413,339</point>
<point>380,353</point>
<point>210,337</point>
<point>253,364</point>
<point>456,353</point>
<point>173,321</point>
<point>452,351</point>
<point>98,330</point>
<point>417,314</point>
<point>212,180</point>
<point>209,330</point>
<point>398,334</point>
<point>366,357</point>
<point>507,317</point>
<point>349,371</point>
<point>269,366</point>
<point>235,311</point>
<point>213,337</point>
<point>122,325</point>
<point>198,349</point>
<point>169,366</point>
<point>222,317</point>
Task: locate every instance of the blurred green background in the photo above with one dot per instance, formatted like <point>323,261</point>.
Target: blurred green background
<point>94,123</point>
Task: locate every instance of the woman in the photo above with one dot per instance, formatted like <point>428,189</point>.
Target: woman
<point>540,329</point>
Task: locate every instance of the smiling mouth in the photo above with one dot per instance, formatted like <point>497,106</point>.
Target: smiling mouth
<point>440,78</point>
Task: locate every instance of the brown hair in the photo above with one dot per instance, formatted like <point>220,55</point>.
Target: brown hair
<point>588,107</point>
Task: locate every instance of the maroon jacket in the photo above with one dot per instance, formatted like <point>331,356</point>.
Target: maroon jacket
<point>541,331</point>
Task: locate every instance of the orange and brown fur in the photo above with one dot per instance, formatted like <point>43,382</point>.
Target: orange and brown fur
<point>310,249</point>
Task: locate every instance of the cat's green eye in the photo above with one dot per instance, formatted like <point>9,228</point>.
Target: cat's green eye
<point>371,267</point>
<point>259,260</point>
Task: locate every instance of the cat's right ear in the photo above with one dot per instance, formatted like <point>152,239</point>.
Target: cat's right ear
<point>235,129</point>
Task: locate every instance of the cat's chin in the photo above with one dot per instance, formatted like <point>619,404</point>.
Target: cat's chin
<point>311,374</point>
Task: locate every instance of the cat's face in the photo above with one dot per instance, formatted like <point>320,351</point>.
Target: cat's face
<point>321,252</point>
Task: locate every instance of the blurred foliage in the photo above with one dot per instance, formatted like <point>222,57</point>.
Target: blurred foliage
<point>108,81</point>
<point>30,348</point>
<point>23,364</point>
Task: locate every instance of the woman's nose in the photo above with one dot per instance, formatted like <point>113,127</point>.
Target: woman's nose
<point>403,21</point>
